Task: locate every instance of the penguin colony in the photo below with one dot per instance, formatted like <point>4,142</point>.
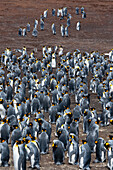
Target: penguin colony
<point>24,95</point>
<point>29,96</point>
<point>62,14</point>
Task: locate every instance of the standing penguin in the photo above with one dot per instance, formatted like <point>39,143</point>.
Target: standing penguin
<point>63,137</point>
<point>4,153</point>
<point>78,26</point>
<point>66,31</point>
<point>53,11</point>
<point>28,27</point>
<point>73,151</point>
<point>53,29</point>
<point>33,151</point>
<point>52,113</point>
<point>84,156</point>
<point>62,30</point>
<point>60,120</point>
<point>35,32</point>
<point>100,151</point>
<point>16,134</point>
<point>53,61</point>
<point>77,10</point>
<point>109,147</point>
<point>45,13</point>
<point>24,33</point>
<point>42,25</point>
<point>20,32</point>
<point>19,155</point>
<point>4,130</point>
<point>44,142</point>
<point>58,152</point>
<point>46,102</point>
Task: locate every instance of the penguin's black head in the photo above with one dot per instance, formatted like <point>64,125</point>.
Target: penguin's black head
<point>84,141</point>
<point>111,121</point>
<point>76,119</point>
<point>18,104</point>
<point>15,126</point>
<point>96,142</point>
<point>30,124</point>
<point>39,111</point>
<point>39,120</point>
<point>98,121</point>
<point>107,145</point>
<point>68,113</point>
<point>7,106</point>
<point>33,138</point>
<point>111,137</point>
<point>72,136</point>
<point>44,130</point>
<point>29,134</point>
<point>111,99</point>
<point>35,96</point>
<point>19,142</point>
<point>107,107</point>
<point>1,101</point>
<point>70,140</point>
<point>54,145</point>
<point>27,114</point>
<point>27,98</point>
<point>2,140</point>
<point>89,121</point>
<point>92,108</point>
<point>59,132</point>
<point>5,120</point>
<point>27,141</point>
<point>11,103</point>
<point>57,116</point>
<point>21,119</point>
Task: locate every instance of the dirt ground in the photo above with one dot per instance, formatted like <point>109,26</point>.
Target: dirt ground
<point>96,34</point>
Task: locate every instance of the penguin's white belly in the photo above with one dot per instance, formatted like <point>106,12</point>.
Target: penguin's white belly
<point>43,83</point>
<point>5,60</point>
<point>0,159</point>
<point>81,162</point>
<point>32,161</point>
<point>15,157</point>
<point>71,148</point>
<point>53,63</point>
<point>12,83</point>
<point>102,158</point>
<point>73,159</point>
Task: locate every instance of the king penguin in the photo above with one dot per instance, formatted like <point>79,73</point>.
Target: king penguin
<point>78,26</point>
<point>58,152</point>
<point>100,151</point>
<point>35,32</point>
<point>20,32</point>
<point>62,30</point>
<point>84,156</point>
<point>73,152</point>
<point>4,153</point>
<point>44,142</point>
<point>19,155</point>
<point>33,151</point>
<point>53,29</point>
<point>66,31</point>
